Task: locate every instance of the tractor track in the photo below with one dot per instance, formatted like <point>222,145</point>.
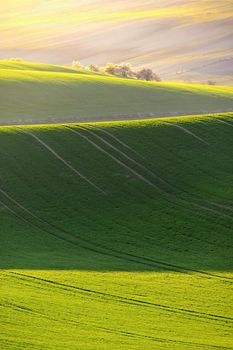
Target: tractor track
<point>167,194</point>
<point>187,132</point>
<point>145,260</point>
<point>118,140</point>
<point>131,301</point>
<point>135,173</point>
<point>51,150</point>
<point>128,157</point>
<point>124,333</point>
<point>106,251</point>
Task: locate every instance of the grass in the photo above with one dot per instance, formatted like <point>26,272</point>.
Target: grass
<point>117,235</point>
<point>33,92</point>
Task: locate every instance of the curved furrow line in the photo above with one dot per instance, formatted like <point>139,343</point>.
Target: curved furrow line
<point>180,160</point>
<point>118,140</point>
<point>201,240</point>
<point>144,179</point>
<point>150,261</point>
<point>21,218</point>
<point>211,210</point>
<point>221,206</point>
<point>16,307</point>
<point>224,122</point>
<point>193,203</point>
<point>135,173</point>
<point>151,337</point>
<point>135,162</point>
<point>203,201</point>
<point>106,250</point>
<point>127,157</point>
<point>102,249</point>
<point>140,165</point>
<point>187,132</point>
<point>162,191</point>
<point>110,330</point>
<point>74,243</point>
<point>51,150</point>
<point>131,301</point>
<point>66,232</point>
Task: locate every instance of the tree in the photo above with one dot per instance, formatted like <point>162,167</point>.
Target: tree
<point>110,68</point>
<point>94,68</point>
<point>147,74</point>
<point>77,65</point>
<point>124,70</point>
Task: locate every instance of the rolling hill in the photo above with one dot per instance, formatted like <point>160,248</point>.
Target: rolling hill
<point>115,235</point>
<point>33,92</point>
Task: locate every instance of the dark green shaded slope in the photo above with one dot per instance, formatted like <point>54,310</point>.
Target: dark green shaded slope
<point>146,195</point>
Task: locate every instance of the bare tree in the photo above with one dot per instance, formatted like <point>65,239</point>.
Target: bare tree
<point>147,74</point>
<point>124,70</point>
<point>77,65</point>
<point>110,68</point>
<point>94,68</point>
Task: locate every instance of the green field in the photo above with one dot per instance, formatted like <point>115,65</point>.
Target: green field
<point>32,92</point>
<point>116,235</point>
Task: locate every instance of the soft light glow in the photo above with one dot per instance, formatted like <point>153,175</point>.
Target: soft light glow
<point>34,24</point>
<point>169,35</point>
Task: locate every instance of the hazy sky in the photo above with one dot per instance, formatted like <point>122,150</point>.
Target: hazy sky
<point>172,35</point>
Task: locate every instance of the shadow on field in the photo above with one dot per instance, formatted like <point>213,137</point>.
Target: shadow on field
<point>25,246</point>
<point>138,196</point>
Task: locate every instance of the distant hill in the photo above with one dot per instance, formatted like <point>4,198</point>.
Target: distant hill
<point>32,92</point>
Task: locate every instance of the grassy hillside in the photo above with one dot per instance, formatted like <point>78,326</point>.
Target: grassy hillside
<point>35,92</point>
<point>117,235</point>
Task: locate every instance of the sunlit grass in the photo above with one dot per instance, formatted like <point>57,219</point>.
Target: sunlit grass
<point>117,317</point>
<point>36,92</point>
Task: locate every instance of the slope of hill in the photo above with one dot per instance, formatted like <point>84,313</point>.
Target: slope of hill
<point>36,93</point>
<point>117,235</point>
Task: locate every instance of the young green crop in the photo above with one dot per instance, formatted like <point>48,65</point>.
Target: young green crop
<point>117,235</point>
